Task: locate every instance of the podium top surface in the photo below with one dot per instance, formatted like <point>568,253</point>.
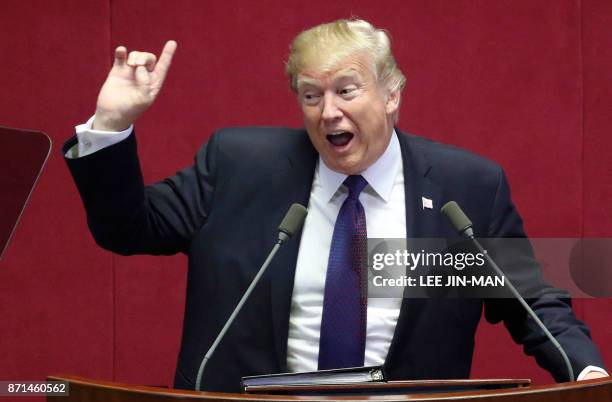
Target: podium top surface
<point>86,389</point>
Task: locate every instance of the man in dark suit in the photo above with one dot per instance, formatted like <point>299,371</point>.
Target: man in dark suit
<point>350,166</point>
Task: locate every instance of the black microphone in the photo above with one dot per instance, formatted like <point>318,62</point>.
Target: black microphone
<point>292,222</point>
<point>463,225</point>
<point>458,219</point>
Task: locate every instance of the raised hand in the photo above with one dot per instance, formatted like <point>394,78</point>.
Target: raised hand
<point>131,87</point>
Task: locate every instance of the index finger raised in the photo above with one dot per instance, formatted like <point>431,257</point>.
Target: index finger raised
<point>165,59</point>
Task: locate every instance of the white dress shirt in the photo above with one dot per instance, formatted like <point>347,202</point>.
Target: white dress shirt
<point>90,141</point>
<point>385,210</point>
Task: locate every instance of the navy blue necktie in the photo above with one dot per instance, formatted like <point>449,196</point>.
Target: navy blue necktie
<point>343,324</point>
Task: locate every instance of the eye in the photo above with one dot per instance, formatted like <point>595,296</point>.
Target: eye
<point>348,92</point>
<point>310,98</point>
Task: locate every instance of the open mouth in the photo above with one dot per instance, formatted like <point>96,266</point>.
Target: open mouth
<point>340,139</point>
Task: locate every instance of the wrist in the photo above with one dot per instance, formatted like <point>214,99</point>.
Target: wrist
<point>104,122</point>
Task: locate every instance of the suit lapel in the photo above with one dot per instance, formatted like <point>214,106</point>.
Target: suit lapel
<point>421,222</point>
<point>298,182</point>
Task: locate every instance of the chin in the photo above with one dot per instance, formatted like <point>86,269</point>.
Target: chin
<point>345,166</point>
<point>347,170</point>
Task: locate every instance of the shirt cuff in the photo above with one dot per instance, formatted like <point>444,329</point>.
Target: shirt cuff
<point>90,141</point>
<point>588,369</point>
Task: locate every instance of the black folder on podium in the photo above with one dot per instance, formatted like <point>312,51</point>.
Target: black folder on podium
<point>23,154</point>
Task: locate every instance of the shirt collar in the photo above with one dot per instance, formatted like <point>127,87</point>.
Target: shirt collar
<point>377,175</point>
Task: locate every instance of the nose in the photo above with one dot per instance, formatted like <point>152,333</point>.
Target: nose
<point>331,111</point>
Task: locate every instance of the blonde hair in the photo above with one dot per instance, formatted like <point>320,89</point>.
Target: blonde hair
<point>322,46</point>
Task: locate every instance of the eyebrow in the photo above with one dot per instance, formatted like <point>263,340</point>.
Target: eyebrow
<point>348,72</point>
<point>305,81</point>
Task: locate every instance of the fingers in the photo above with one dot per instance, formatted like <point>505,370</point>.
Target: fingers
<point>120,56</point>
<point>145,63</point>
<point>165,59</point>
<point>142,75</point>
<point>147,60</point>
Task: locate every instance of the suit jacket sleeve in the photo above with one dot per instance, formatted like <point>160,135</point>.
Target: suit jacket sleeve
<point>553,306</point>
<point>126,217</point>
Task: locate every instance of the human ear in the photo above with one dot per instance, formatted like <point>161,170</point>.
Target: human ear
<point>393,101</point>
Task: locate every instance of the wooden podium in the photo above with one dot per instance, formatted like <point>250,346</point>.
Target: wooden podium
<point>87,390</point>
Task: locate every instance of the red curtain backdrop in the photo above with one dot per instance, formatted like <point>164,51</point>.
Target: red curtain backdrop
<point>525,82</point>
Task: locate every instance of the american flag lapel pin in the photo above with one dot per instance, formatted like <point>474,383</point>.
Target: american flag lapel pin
<point>427,203</point>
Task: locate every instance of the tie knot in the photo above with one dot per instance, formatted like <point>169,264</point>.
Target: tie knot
<point>355,184</point>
